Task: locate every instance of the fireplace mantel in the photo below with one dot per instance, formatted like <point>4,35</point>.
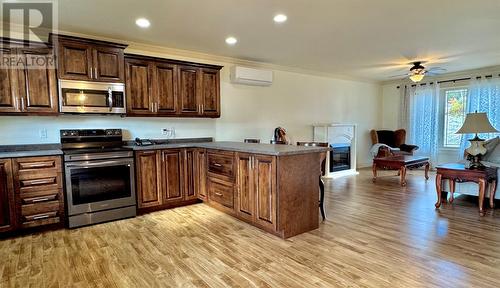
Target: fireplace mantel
<point>338,134</point>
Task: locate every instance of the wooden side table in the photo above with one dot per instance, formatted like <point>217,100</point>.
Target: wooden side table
<point>401,163</point>
<point>456,172</point>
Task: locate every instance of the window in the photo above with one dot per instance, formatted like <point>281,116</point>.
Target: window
<point>454,115</point>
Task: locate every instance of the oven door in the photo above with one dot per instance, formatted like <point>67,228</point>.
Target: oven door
<point>99,185</point>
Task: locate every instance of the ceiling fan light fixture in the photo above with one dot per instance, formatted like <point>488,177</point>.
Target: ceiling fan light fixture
<point>417,77</point>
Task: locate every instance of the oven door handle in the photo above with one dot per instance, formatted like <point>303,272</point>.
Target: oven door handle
<point>98,164</point>
<point>110,99</point>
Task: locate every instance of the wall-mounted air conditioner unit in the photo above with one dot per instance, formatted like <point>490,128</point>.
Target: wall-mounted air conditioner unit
<point>251,76</point>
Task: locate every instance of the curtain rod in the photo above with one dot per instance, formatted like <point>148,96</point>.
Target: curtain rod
<point>451,80</point>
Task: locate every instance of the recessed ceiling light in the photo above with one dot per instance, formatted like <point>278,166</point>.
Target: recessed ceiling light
<point>280,18</point>
<point>231,40</point>
<point>143,22</point>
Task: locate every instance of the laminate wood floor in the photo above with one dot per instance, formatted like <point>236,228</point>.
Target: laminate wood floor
<point>376,235</point>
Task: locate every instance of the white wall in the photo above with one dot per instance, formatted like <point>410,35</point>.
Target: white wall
<point>295,101</point>
<point>391,102</point>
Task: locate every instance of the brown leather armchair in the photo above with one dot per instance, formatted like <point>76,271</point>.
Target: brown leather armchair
<point>393,139</point>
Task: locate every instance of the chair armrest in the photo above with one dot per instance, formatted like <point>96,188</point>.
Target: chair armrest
<point>408,148</point>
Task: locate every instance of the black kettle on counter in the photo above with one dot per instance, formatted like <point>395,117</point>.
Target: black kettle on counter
<point>280,136</point>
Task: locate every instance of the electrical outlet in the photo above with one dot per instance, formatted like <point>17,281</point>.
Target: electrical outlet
<point>169,132</point>
<point>43,133</point>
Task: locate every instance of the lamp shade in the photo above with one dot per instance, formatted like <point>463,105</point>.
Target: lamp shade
<point>476,123</point>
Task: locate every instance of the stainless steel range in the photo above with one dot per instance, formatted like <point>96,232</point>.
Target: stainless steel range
<point>99,176</point>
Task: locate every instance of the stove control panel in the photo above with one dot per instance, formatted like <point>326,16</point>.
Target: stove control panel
<point>91,133</point>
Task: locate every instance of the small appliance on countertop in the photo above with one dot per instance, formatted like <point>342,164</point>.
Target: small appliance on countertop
<point>100,176</point>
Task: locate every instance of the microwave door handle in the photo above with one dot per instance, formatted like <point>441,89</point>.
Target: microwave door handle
<point>110,99</point>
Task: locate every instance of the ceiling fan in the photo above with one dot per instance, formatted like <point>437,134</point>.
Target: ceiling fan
<point>418,72</point>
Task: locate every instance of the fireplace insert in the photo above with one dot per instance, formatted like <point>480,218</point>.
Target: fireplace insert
<point>340,157</point>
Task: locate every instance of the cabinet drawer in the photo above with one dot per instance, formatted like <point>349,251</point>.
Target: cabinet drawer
<point>221,165</point>
<point>40,219</point>
<point>41,183</point>
<point>222,193</point>
<point>39,197</point>
<point>40,208</point>
<point>37,166</point>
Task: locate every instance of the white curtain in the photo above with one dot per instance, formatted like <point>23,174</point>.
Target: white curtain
<point>422,106</point>
<point>483,96</point>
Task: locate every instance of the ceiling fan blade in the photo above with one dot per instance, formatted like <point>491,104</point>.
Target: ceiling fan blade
<point>399,76</point>
<point>437,70</point>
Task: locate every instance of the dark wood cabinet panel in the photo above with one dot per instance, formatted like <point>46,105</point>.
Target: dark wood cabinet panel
<point>210,92</point>
<point>109,64</point>
<point>201,174</point>
<point>37,86</point>
<point>265,191</point>
<point>138,93</point>
<point>189,90</point>
<point>7,212</point>
<point>74,60</point>
<point>165,88</point>
<point>190,174</point>
<point>172,175</point>
<point>245,187</point>
<point>89,60</point>
<point>9,101</point>
<point>38,191</point>
<point>148,178</point>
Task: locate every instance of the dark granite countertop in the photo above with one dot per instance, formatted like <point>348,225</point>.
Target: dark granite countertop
<point>15,151</point>
<point>266,149</point>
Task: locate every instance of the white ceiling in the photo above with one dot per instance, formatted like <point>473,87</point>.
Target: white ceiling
<point>356,38</point>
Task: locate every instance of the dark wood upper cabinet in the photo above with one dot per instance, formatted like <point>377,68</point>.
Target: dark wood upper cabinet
<point>138,87</point>
<point>74,61</point>
<point>148,178</point>
<point>7,210</point>
<point>210,92</point>
<point>88,60</point>
<point>9,101</point>
<point>109,64</point>
<point>189,91</point>
<point>30,87</point>
<point>37,86</point>
<point>165,88</point>
<point>172,175</point>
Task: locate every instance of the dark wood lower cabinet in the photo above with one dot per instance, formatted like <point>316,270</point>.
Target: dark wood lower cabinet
<point>256,189</point>
<point>172,175</point>
<point>169,177</point>
<point>7,212</point>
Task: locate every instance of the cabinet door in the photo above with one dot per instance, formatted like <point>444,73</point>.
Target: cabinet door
<point>245,204</point>
<point>265,190</point>
<point>74,60</point>
<point>137,85</point>
<point>210,92</point>
<point>165,88</point>
<point>7,213</point>
<point>201,174</point>
<point>190,174</point>
<point>172,180</point>
<point>189,91</point>
<point>9,101</point>
<point>37,85</point>
<point>148,179</point>
<point>108,64</point>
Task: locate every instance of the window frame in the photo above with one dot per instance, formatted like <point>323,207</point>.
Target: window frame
<point>442,109</point>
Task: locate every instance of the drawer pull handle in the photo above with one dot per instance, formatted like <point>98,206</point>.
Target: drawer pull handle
<point>218,194</point>
<point>39,182</point>
<point>38,217</point>
<point>35,165</point>
<point>217,165</point>
<point>39,199</point>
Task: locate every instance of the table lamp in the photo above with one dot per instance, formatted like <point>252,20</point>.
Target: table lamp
<point>476,123</point>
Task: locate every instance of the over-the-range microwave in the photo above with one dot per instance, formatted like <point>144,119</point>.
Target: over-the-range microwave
<point>91,97</point>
